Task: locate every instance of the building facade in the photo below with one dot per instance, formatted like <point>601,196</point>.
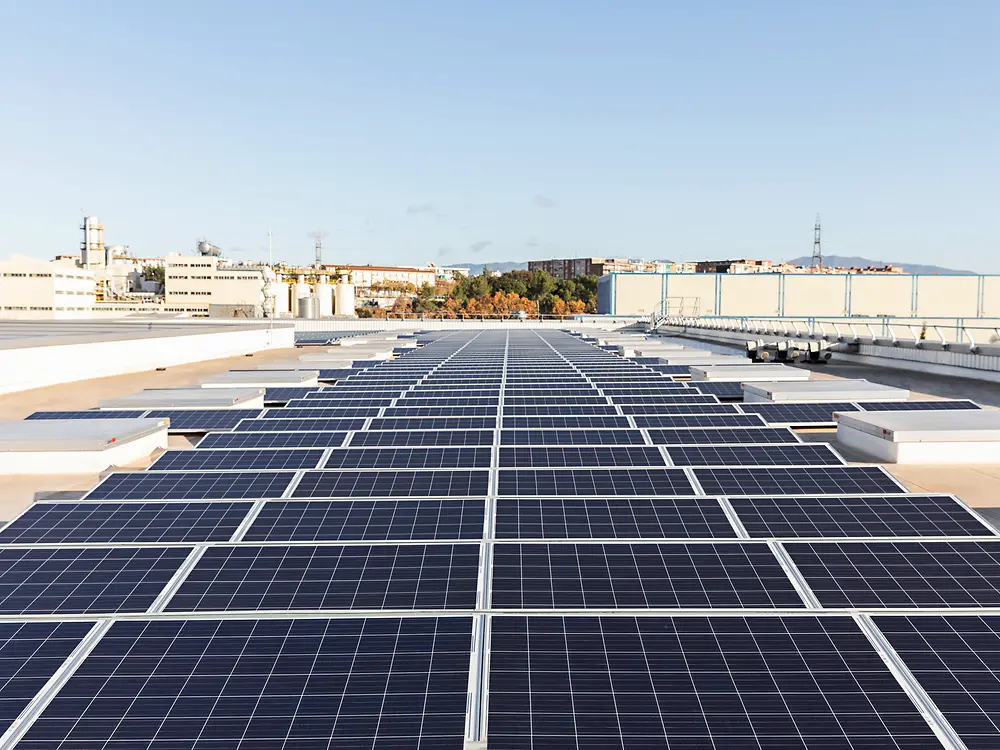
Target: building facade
<point>194,283</point>
<point>570,268</point>
<point>37,289</point>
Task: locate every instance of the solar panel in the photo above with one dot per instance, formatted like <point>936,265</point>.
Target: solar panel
<point>556,423</point>
<point>798,454</point>
<point>271,683</point>
<point>273,395</point>
<point>71,580</point>
<point>812,480</point>
<point>433,423</point>
<point>31,653</point>
<point>594,482</point>
<point>954,658</point>
<point>695,682</point>
<point>604,518</point>
<point>553,400</point>
<point>236,460</point>
<point>918,405</point>
<point>723,390</point>
<point>409,401</point>
<point>722,435</point>
<point>900,574</point>
<point>193,485</point>
<point>639,576</point>
<point>653,404</point>
<point>321,412</point>
<point>203,420</point>
<point>368,520</point>
<point>408,411</point>
<point>700,420</point>
<point>336,374</point>
<point>798,413</point>
<point>69,523</point>
<point>409,458</point>
<point>571,437</point>
<point>425,439</point>
<point>326,577</point>
<point>299,425</point>
<point>392,484</point>
<point>646,410</point>
<point>92,414</point>
<point>639,455</point>
<point>867,516</point>
<point>247,440</point>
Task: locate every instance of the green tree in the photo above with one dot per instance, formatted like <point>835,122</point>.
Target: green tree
<point>154,273</point>
<point>425,301</point>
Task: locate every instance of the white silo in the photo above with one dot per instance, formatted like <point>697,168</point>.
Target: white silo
<point>299,290</point>
<point>280,296</point>
<point>345,297</point>
<point>324,294</point>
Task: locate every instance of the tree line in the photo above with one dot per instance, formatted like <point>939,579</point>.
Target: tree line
<point>512,293</point>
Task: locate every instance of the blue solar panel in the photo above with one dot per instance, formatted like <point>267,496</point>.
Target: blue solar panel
<point>457,483</point>
<point>571,437</point>
<point>193,485</point>
<point>722,435</point>
<point>69,523</point>
<point>918,405</point>
<point>409,458</point>
<point>236,460</point>
<point>248,440</point>
<point>204,420</point>
<point>594,482</point>
<point>797,454</point>
<point>299,425</point>
<point>812,480</point>
<point>92,414</point>
<point>317,577</point>
<point>424,439</point>
<point>71,580</point>
<point>271,683</point>
<point>639,576</point>
<point>433,423</point>
<point>638,455</point>
<point>368,520</point>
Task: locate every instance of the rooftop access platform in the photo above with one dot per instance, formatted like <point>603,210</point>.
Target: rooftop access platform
<point>189,398</point>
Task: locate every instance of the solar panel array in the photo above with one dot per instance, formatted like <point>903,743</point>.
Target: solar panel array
<point>510,537</point>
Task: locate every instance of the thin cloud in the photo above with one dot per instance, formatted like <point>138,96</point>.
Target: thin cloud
<point>544,201</point>
<point>478,247</point>
<point>443,251</point>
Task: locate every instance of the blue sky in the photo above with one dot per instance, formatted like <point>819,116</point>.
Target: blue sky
<point>481,130</point>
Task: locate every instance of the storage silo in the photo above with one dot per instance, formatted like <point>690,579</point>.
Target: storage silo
<point>324,295</point>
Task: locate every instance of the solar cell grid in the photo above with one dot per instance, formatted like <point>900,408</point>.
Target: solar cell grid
<point>577,422</point>
<point>812,480</point>
<point>92,414</point>
<point>407,411</point>
<point>695,682</point>
<point>31,653</point>
<point>798,454</point>
<point>868,516</point>
<point>409,458</point>
<point>71,580</point>
<point>638,455</point>
<point>299,425</point>
<point>422,439</point>
<point>797,413</point>
<point>271,683</point>
<point>571,437</point>
<point>337,403</point>
<point>77,523</point>
<point>611,482</point>
<point>649,410</point>
<point>639,576</point>
<point>900,574</point>
<point>605,518</point>
<point>714,435</point>
<point>699,420</point>
<point>368,520</point>
<point>456,483</point>
<point>235,460</point>
<point>248,440</point>
<point>318,577</point>
<point>203,420</point>
<point>955,660</point>
<point>192,485</point>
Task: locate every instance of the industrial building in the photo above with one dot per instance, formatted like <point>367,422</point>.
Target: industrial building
<point>33,288</point>
<point>572,267</point>
<point>195,283</point>
<point>838,295</point>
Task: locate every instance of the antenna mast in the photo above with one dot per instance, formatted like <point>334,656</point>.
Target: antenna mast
<point>817,256</point>
<point>318,235</point>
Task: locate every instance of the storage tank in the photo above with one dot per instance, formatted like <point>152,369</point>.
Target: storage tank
<point>308,307</point>
<point>324,295</point>
<point>281,306</point>
<point>299,290</point>
<point>345,298</point>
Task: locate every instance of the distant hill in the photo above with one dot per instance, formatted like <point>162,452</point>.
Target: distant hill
<point>849,261</point>
<point>477,268</point>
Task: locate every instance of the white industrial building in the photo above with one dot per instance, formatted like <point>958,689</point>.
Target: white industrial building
<point>38,289</point>
<point>193,284</point>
